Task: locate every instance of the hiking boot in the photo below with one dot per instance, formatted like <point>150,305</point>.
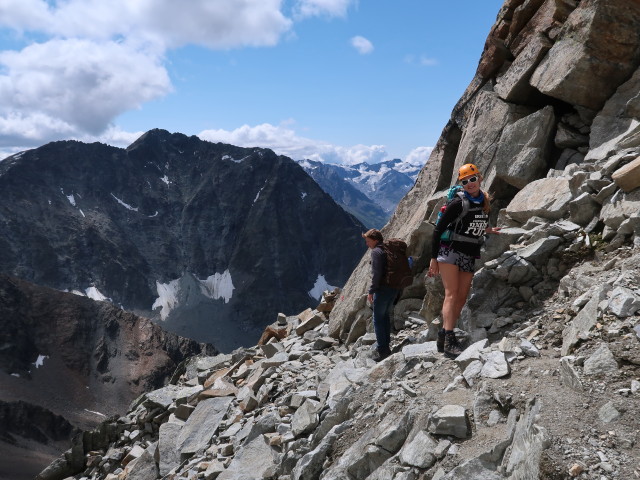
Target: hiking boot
<point>380,355</point>
<point>440,340</point>
<point>452,347</point>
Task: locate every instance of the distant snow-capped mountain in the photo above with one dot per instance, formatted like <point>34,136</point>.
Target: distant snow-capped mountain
<point>370,192</point>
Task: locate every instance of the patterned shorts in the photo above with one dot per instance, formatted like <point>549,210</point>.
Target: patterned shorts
<point>465,263</point>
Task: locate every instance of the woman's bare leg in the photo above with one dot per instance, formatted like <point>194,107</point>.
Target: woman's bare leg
<point>450,278</point>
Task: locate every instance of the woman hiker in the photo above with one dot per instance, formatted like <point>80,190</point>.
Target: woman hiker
<point>454,259</point>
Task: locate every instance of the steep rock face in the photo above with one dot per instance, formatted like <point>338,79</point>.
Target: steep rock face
<point>533,109</point>
<point>68,356</point>
<point>215,239</point>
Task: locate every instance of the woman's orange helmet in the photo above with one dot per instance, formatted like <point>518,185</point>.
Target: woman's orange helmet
<point>468,170</point>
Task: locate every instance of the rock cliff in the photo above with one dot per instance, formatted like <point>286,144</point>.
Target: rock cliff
<point>548,385</point>
<point>69,362</point>
<point>210,239</point>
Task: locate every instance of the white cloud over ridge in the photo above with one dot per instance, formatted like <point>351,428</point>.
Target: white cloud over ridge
<point>95,60</point>
<point>332,8</point>
<point>362,45</point>
<point>285,141</point>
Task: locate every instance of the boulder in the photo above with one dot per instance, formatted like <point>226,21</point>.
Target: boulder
<point>600,362</point>
<point>583,208</point>
<point>450,420</point>
<point>597,50</point>
<point>306,418</point>
<point>608,413</point>
<point>470,354</point>
<point>168,446</point>
<point>514,85</point>
<point>619,207</point>
<point>202,425</point>
<point>539,251</point>
<point>424,351</point>
<point>547,198</point>
<point>628,177</point>
<point>482,133</point>
<point>523,149</point>
<point>495,365</point>
<point>475,469</point>
<point>419,451</point>
<point>584,321</point>
<point>254,460</point>
<point>616,126</point>
<point>623,302</point>
<point>569,376</point>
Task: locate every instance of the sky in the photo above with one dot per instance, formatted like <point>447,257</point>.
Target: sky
<point>342,81</point>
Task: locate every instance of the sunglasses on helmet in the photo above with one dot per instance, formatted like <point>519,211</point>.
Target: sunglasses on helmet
<point>469,180</point>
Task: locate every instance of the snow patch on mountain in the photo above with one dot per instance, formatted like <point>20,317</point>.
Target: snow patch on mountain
<point>95,294</point>
<point>218,285</point>
<point>40,361</point>
<point>167,297</point>
<point>125,205</point>
<point>320,286</point>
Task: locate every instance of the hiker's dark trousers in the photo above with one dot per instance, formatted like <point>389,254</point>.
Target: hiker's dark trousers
<point>382,307</point>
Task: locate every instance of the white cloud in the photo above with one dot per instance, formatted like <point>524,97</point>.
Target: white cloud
<point>362,45</point>
<point>419,156</point>
<point>96,60</point>
<point>284,140</point>
<point>167,23</point>
<point>333,8</point>
<point>421,60</point>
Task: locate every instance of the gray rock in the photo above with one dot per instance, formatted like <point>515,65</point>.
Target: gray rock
<point>202,425</point>
<point>309,467</point>
<point>306,418</point>
<point>524,146</point>
<point>522,458</point>
<point>419,451</point>
<point>472,372</point>
<point>143,468</point>
<point>539,251</point>
<point>309,324</point>
<point>584,321</point>
<point>569,375</point>
<point>547,198</point>
<point>608,413</point>
<point>471,353</point>
<point>529,349</point>
<point>270,349</point>
<point>392,438</point>
<point>476,469</point>
<point>583,208</point>
<point>165,396</point>
<point>252,461</point>
<point>424,351</point>
<point>495,365</point>
<point>600,362</point>
<point>623,302</point>
<point>168,447</point>
<point>450,420</point>
<point>514,86</point>
<point>276,360</point>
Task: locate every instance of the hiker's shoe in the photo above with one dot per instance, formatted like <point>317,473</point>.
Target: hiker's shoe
<point>452,347</point>
<point>440,341</point>
<point>380,355</point>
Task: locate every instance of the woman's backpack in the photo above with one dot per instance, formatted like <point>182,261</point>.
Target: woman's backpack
<point>398,274</point>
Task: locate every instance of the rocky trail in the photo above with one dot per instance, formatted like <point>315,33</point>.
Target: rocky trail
<point>548,386</point>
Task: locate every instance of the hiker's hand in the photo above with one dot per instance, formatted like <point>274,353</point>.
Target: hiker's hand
<point>434,268</point>
<point>370,298</point>
<point>494,230</point>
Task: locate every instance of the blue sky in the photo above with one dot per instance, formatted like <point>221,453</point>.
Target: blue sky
<point>336,80</point>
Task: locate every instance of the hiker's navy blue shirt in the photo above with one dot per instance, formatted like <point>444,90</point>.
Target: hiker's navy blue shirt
<point>378,267</point>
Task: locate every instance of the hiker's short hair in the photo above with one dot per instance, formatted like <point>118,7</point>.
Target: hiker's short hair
<point>374,234</point>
